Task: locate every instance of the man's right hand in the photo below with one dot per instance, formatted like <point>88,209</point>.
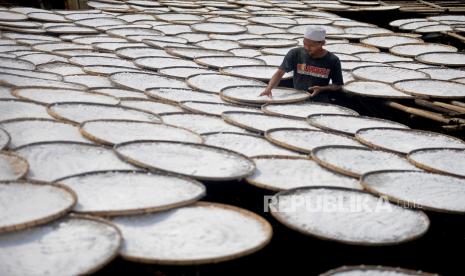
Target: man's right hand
<point>267,92</point>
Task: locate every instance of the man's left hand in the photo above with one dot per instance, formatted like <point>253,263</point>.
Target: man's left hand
<point>314,90</point>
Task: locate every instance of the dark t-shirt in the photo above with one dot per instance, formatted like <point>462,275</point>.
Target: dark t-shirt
<point>310,71</point>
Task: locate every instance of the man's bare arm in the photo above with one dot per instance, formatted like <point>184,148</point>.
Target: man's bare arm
<point>315,90</point>
<point>274,81</point>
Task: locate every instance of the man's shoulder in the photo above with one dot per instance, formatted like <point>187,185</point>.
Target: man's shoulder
<point>332,56</point>
<point>296,50</point>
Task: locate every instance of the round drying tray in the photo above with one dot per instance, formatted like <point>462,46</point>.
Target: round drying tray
<point>190,159</point>
<point>193,53</point>
<point>65,29</point>
<point>16,109</point>
<point>374,89</point>
<point>213,108</point>
<point>375,270</point>
<point>441,73</point>
<point>415,49</point>
<point>105,70</point>
<point>13,167</point>
<point>200,123</point>
<point>29,203</point>
<point>138,192</point>
<point>259,123</point>
<point>440,160</point>
<point>179,18</point>
<point>226,61</point>
<point>216,82</point>
<point>259,72</point>
<point>305,140</point>
<point>6,15</point>
<point>177,95</point>
<point>251,94</point>
<point>13,80</point>
<point>349,124</point>
<point>421,190</point>
<point>33,74</point>
<point>87,60</point>
<point>142,81</point>
<point>45,95</point>
<point>47,17</point>
<point>184,72</point>
<point>25,131</point>
<point>338,218</point>
<point>5,138</point>
<point>386,41</point>
<point>132,52</point>
<point>403,141</point>
<point>302,110</point>
<point>78,112</point>
<point>49,161</point>
<point>111,132</point>
<point>278,173</point>
<point>382,57</point>
<point>15,63</point>
<point>73,245</point>
<point>350,48</point>
<point>219,28</point>
<point>156,63</point>
<point>200,237</point>
<point>443,59</point>
<point>387,74</point>
<point>267,42</point>
<point>247,144</point>
<point>355,161</point>
<point>432,88</point>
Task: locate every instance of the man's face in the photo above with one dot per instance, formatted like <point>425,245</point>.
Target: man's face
<point>313,47</point>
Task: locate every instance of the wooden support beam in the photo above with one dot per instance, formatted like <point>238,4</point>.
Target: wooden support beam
<point>455,35</point>
<point>461,104</point>
<point>434,107</point>
<point>432,5</point>
<point>458,109</point>
<point>454,127</point>
<point>425,114</point>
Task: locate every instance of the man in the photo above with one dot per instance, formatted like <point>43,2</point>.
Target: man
<point>313,66</point>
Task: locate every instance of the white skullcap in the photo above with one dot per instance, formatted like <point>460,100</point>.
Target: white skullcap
<point>315,33</point>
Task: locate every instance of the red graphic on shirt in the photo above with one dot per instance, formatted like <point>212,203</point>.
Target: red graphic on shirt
<point>313,71</point>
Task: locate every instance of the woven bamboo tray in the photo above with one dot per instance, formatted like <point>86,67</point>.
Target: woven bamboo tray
<point>439,160</point>
<point>13,166</point>
<point>32,203</point>
<point>111,132</point>
<point>278,173</point>
<point>251,233</point>
<point>25,131</point>
<point>355,161</point>
<point>247,144</point>
<point>196,160</point>
<point>342,225</point>
<point>49,161</point>
<point>143,192</point>
<point>305,140</point>
<point>416,189</point>
<point>86,245</point>
<point>403,141</point>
